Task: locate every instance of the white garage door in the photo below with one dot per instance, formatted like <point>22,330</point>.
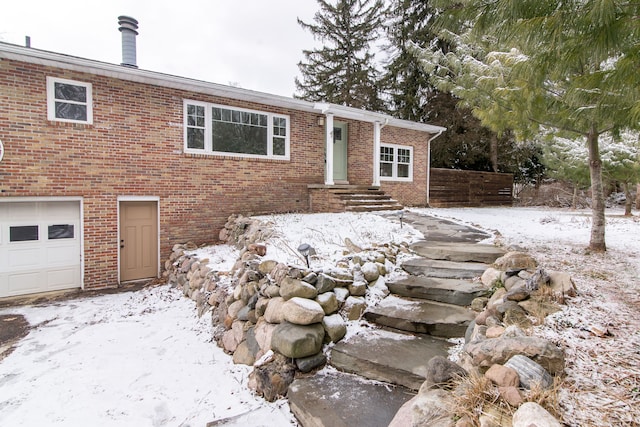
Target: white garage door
<point>40,247</point>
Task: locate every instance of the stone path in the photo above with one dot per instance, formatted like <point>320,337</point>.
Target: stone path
<point>423,310</point>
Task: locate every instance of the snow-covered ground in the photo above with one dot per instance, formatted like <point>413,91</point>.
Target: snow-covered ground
<point>145,359</point>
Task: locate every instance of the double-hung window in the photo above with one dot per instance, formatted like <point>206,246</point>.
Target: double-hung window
<point>396,163</point>
<point>69,101</point>
<point>224,130</point>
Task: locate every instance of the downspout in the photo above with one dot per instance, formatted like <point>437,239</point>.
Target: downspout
<point>429,164</point>
<point>377,130</point>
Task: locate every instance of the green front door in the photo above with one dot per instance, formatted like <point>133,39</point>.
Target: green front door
<point>339,152</point>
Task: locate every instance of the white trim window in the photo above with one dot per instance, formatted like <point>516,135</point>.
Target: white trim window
<point>69,101</point>
<point>396,163</point>
<point>224,130</point>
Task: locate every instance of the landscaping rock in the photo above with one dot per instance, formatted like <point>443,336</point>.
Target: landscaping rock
<point>515,261</point>
<point>496,298</point>
<point>370,271</point>
<point>495,331</point>
<point>302,311</point>
<point>243,355</point>
<point>275,311</point>
<point>516,316</point>
<point>529,372</point>
<point>263,332</point>
<point>489,352</point>
<point>290,288</point>
<point>562,284</point>
<point>341,295</point>
<point>519,292</point>
<point>297,341</point>
<point>334,327</point>
<point>537,280</point>
<point>531,414</point>
<point>511,395</point>
<point>478,304</point>
<point>429,408</point>
<point>267,266</point>
<point>357,288</point>
<point>441,372</point>
<point>502,376</point>
<point>272,379</point>
<point>328,302</point>
<point>490,277</point>
<point>513,281</point>
<point>308,364</point>
<point>354,307</point>
<point>324,283</point>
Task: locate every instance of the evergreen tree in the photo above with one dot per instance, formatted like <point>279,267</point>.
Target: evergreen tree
<point>343,70</point>
<point>621,162</point>
<point>568,67</point>
<point>410,95</point>
<point>405,83</point>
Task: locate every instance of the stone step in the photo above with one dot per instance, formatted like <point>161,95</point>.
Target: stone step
<point>459,252</point>
<point>335,399</point>
<point>450,291</point>
<point>374,354</point>
<point>444,269</point>
<point>443,230</point>
<point>421,316</point>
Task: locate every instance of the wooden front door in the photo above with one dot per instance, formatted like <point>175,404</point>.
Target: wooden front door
<point>138,240</point>
<point>340,152</point>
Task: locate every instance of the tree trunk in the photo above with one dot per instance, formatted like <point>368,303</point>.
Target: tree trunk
<point>627,199</point>
<point>493,152</point>
<point>597,242</point>
<point>574,202</point>
<point>638,197</point>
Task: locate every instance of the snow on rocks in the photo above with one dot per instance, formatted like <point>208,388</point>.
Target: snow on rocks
<point>501,344</point>
<point>263,305</point>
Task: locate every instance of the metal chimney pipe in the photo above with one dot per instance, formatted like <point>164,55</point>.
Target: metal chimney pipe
<point>128,28</point>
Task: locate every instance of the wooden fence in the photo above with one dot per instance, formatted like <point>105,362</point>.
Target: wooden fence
<point>453,188</point>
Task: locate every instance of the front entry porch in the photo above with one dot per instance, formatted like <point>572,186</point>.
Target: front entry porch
<point>349,198</point>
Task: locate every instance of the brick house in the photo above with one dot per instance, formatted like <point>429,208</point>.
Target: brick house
<point>105,167</point>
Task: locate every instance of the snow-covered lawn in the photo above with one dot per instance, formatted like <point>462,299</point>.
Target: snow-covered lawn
<point>145,359</point>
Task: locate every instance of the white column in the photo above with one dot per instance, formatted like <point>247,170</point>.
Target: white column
<point>376,154</point>
<point>429,168</point>
<point>328,178</point>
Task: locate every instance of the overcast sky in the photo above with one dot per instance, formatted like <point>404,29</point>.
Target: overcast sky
<point>255,44</point>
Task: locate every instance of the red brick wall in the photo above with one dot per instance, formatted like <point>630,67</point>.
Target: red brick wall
<point>134,148</point>
<point>408,193</point>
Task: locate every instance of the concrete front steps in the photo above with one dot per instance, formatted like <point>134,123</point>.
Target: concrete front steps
<point>365,199</point>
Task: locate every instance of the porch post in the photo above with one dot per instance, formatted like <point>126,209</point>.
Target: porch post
<point>376,154</point>
<point>328,178</point>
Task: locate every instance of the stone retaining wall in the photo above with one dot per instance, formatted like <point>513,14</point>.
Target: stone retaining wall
<point>282,314</point>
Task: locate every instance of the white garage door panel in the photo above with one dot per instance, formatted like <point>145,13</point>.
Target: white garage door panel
<point>53,262</point>
<point>63,254</point>
<point>62,279</point>
<point>24,283</point>
<point>24,258</point>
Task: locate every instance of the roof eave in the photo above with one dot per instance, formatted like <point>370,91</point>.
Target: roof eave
<point>68,62</point>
